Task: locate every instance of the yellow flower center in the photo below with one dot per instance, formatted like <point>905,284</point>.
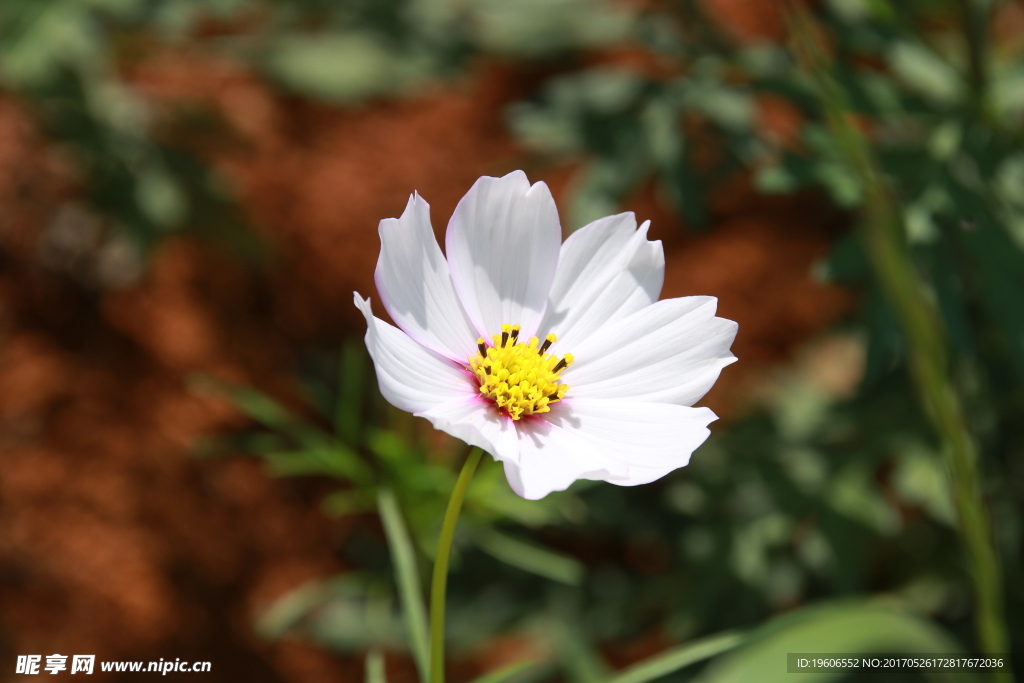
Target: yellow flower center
<point>521,378</point>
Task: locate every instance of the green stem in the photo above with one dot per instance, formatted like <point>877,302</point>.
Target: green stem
<point>440,580</point>
<point>926,351</point>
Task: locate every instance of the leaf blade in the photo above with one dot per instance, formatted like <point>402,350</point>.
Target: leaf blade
<point>375,667</point>
<point>678,657</point>
<point>408,579</point>
<point>506,672</point>
<point>530,557</point>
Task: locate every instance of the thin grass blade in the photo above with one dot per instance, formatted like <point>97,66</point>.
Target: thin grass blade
<point>408,579</point>
<point>375,667</point>
<point>530,557</point>
<point>678,657</point>
<point>506,673</point>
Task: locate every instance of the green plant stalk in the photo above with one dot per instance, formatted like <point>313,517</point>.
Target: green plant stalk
<point>409,588</point>
<point>886,245</point>
<point>439,583</point>
<point>374,667</point>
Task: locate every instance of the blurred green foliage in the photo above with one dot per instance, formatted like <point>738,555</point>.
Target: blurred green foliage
<point>358,49</point>
<point>72,60</point>
<point>631,129</point>
<point>66,57</point>
<point>811,497</point>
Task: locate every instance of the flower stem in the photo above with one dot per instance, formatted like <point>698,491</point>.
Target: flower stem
<point>926,349</point>
<point>439,583</point>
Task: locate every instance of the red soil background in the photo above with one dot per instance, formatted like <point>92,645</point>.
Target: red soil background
<point>114,540</point>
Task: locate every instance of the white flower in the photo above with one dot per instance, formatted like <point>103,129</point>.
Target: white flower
<point>608,398</point>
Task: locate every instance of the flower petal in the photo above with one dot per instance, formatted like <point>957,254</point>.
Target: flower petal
<point>552,455</point>
<point>607,270</point>
<point>477,422</point>
<point>416,287</point>
<point>651,439</point>
<point>411,377</point>
<point>669,352</point>
<point>502,248</point>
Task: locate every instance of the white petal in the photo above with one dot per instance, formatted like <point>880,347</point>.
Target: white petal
<point>621,442</point>
<point>502,247</point>
<point>652,439</point>
<point>416,287</point>
<point>411,376</point>
<point>669,352</point>
<point>552,455</point>
<point>477,421</point>
<point>607,270</point>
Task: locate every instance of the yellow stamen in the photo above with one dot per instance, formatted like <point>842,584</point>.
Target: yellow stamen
<point>521,378</point>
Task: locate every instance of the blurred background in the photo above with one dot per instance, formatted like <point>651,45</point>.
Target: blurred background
<point>191,439</point>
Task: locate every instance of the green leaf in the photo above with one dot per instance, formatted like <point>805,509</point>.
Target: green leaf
<point>350,613</point>
<point>920,478</point>
<point>599,187</point>
<point>774,180</point>
<point>160,197</point>
<point>343,68</point>
<point>292,464</point>
<point>678,657</point>
<point>375,667</point>
<point>854,494</point>
<point>581,660</point>
<point>330,459</point>
<point>923,70</point>
<point>408,579</point>
<point>534,28</point>
<point>529,557</point>
<point>321,453</point>
<point>40,38</point>
<point>259,407</point>
<point>344,503</point>
<point>728,107</point>
<point>506,672</point>
<point>290,609</point>
<point>833,629</point>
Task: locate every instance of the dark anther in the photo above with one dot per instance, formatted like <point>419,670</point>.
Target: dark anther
<point>515,335</point>
<point>553,397</point>
<point>483,349</point>
<point>544,347</point>
<point>561,364</point>
<point>487,369</point>
<point>504,339</point>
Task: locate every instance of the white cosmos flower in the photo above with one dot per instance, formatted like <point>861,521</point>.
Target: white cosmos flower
<point>477,354</point>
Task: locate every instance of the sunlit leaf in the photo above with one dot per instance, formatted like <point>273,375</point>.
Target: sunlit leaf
<point>540,27</point>
<point>836,629</point>
<point>923,70</point>
<point>343,68</point>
